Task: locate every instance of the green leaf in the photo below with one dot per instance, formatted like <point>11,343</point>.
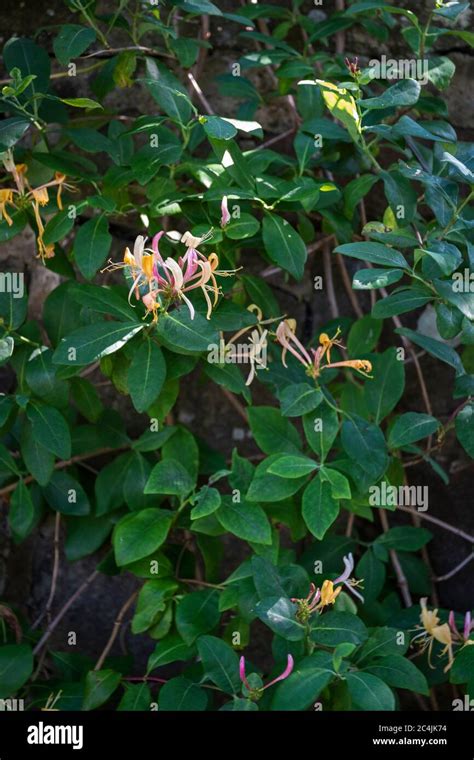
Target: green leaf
<point>464,425</point>
<point>16,666</point>
<point>298,399</point>
<point>365,444</point>
<point>13,309</point>
<point>382,642</point>
<point>216,127</point>
<point>140,534</point>
<point>85,535</point>
<point>370,279</point>
<point>179,332</point>
<point>272,432</point>
<point>152,600</point>
<point>86,398</point>
<point>334,628</point>
<point>169,477</point>
<point>340,487</point>
<point>400,302</point>
<point>404,538</point>
<point>220,663</point>
<point>292,466</point>
<point>411,427</point>
<point>372,570</point>
<point>197,613</point>
<point>321,429</point>
<point>170,649</point>
<point>24,54</point>
<point>207,501</point>
<point>403,93</point>
<point>284,245</point>
<point>279,614</point>
<point>302,687</point>
<point>81,103</point>
<point>12,130</point>
<point>21,515</point>
<point>434,347</point>
<point>342,106</point>
<point>319,508</point>
<point>364,336</point>
<point>92,245</point>
<point>384,392</point>
<point>462,670</point>
<point>50,428</point>
<point>245,226</point>
<point>38,460</point>
<point>376,253</point>
<point>369,693</point>
<point>168,92</point>
<point>245,520</point>
<point>181,694</point>
<point>64,494</point>
<point>99,687</point>
<point>399,672</point>
<point>146,375</point>
<point>94,341</point>
<point>137,697</point>
<point>72,41</point>
<point>147,161</point>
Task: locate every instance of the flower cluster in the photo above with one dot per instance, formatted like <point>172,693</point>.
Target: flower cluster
<point>313,360</point>
<point>319,598</point>
<point>167,281</point>
<point>23,195</point>
<point>446,634</point>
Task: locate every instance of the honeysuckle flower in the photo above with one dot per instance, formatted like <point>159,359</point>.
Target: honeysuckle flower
<point>256,693</point>
<point>256,355</point>
<point>432,631</point>
<point>6,198</point>
<point>37,197</point>
<point>139,263</point>
<point>225,215</point>
<point>468,627</point>
<point>285,334</point>
<point>169,280</point>
<point>318,599</point>
<point>312,361</point>
<point>306,606</point>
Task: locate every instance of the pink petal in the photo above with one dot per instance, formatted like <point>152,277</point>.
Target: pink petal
<point>285,674</point>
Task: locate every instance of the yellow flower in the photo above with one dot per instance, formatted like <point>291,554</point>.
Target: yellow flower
<point>6,196</point>
<point>432,632</point>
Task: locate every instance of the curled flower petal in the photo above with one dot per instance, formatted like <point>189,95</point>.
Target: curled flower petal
<point>467,625</point>
<point>285,674</point>
<point>242,675</point>
<point>225,215</point>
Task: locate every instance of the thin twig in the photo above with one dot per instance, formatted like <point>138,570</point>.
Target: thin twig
<point>348,286</point>
<point>54,576</point>
<point>116,628</point>
<point>340,35</point>
<point>327,265</point>
<point>66,463</point>
<point>195,86</point>
<point>440,523</point>
<point>455,570</point>
<point>401,579</point>
<point>235,403</point>
<point>54,623</point>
